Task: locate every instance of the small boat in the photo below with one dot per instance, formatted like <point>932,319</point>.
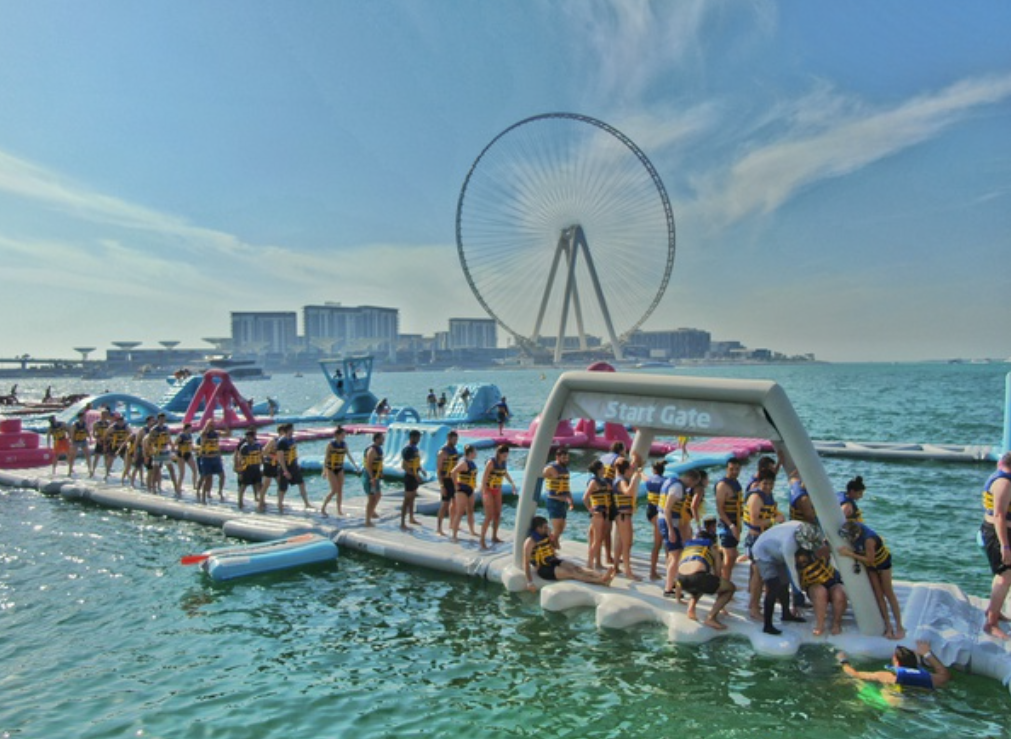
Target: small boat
<point>228,563</point>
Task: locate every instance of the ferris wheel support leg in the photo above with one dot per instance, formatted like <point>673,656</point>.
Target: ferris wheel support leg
<point>562,247</point>
<point>570,282</point>
<point>581,241</point>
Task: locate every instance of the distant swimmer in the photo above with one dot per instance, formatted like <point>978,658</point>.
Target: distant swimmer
<point>995,534</point>
<point>919,669</point>
<point>540,552</point>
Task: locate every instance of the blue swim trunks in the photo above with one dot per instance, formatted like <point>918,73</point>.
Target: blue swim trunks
<point>557,508</point>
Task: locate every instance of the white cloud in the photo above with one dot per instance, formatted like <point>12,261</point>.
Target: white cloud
<point>816,145</point>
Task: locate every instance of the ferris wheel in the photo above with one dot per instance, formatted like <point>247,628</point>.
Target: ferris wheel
<point>562,217</point>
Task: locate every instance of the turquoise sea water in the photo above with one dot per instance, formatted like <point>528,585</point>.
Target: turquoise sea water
<point>103,634</point>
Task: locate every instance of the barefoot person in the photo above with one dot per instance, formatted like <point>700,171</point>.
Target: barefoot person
<point>445,461</point>
<point>465,482</point>
<point>654,485</point>
<point>672,500</point>
<point>410,463</point>
<point>823,585</point>
<point>869,549</point>
<point>919,669</point>
<point>698,575</point>
<point>289,472</point>
<point>79,443</point>
<point>184,455</point>
<point>539,550</point>
<point>597,499</point>
<point>729,509</point>
<point>373,475</point>
<point>995,534</point>
<point>333,462</point>
<point>495,471</point>
<point>58,436</point>
<point>248,467</point>
<point>626,489</point>
<point>558,498</point>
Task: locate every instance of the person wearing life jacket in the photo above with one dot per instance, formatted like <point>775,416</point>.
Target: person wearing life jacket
<point>867,548</point>
<point>209,461</point>
<point>445,461</point>
<point>184,455</point>
<point>289,471</point>
<point>995,535</point>
<point>654,487</point>
<point>540,554</point>
<point>920,669</point>
<point>760,513</point>
<point>823,585</point>
<point>58,436</point>
<point>372,477</point>
<point>495,471</point>
<point>99,430</point>
<point>79,437</point>
<point>801,508</point>
<point>333,462</point>
<point>626,490</point>
<point>729,511</point>
<point>410,463</point>
<point>597,499</point>
<point>848,500</point>
<point>558,495</point>
<point>672,497</point>
<point>609,459</point>
<point>699,574</point>
<point>248,465</point>
<point>465,482</point>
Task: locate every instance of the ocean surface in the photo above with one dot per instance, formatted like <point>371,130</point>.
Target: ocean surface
<point>104,634</point>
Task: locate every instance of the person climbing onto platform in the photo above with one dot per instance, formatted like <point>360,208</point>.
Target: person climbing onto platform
<point>919,669</point>
<point>465,398</point>
<point>539,551</point>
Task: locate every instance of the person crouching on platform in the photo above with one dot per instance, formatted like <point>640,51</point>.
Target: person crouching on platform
<point>540,549</point>
<point>699,574</point>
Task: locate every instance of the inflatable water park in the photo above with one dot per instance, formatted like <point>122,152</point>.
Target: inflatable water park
<point>659,406</point>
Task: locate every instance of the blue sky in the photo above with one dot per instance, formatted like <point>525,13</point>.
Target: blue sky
<point>840,173</point>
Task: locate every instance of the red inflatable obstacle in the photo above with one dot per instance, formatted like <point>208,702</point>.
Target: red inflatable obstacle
<point>217,392</point>
<point>21,448</point>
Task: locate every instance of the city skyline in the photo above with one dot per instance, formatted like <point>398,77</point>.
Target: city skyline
<point>838,174</point>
